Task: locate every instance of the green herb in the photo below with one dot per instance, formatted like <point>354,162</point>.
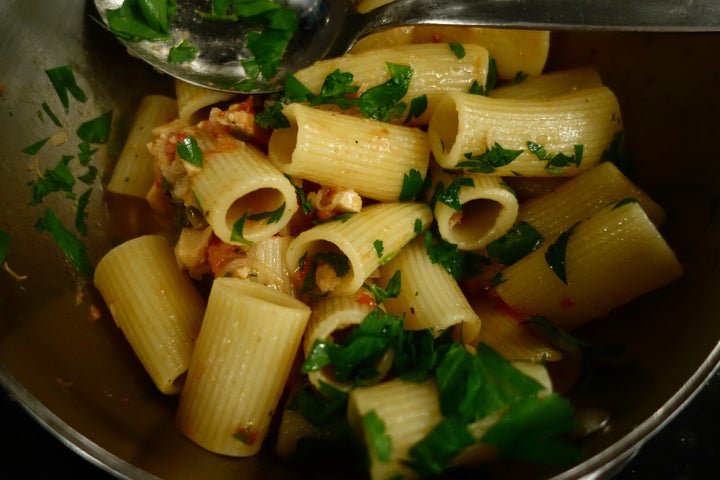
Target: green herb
<point>269,46</point>
<point>237,231</point>
<point>81,213</point>
<point>384,101</point>
<point>63,80</point>
<point>497,279</point>
<point>379,247</point>
<point>70,245</point>
<point>519,77</point>
<point>305,204</point>
<point>490,81</point>
<point>273,216</point>
<point>489,160</point>
<point>623,201</point>
<point>182,53</point>
<point>418,106</point>
<point>450,196</point>
<point>417,226</point>
<point>458,50</point>
<point>379,440</point>
<point>58,179</point>
<point>272,117</point>
<point>555,254</point>
<point>412,186</point>
<point>137,20</point>
<point>529,431</point>
<point>565,341</point>
<point>445,253</point>
<point>85,152</point>
<point>51,114</point>
<point>391,290</point>
<point>431,455</point>
<point>618,155</point>
<point>321,409</point>
<point>89,177</point>
<point>556,163</point>
<point>96,130</point>
<point>188,149</point>
<point>354,359</point>
<point>340,217</point>
<point>35,147</point>
<point>337,261</point>
<point>519,241</point>
<point>5,240</point>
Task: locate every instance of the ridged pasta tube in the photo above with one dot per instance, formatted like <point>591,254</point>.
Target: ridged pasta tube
<point>155,305</point>
<point>226,405</point>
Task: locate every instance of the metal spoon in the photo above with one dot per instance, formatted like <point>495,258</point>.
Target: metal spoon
<point>328,28</point>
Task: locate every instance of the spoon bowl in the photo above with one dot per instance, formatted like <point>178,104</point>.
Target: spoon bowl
<point>329,28</point>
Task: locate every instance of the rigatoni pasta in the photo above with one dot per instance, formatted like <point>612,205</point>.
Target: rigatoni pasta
<point>226,407</point>
<point>562,135</point>
<point>339,150</point>
<point>155,304</point>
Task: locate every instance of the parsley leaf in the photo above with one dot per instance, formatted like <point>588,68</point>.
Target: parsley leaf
<point>96,130</point>
<point>184,52</point>
<point>337,261</point>
<point>529,431</point>
<point>237,231</point>
<point>555,163</point>
<point>63,80</point>
<point>46,108</point>
<point>272,117</point>
<point>418,106</point>
<point>458,50</point>
<point>490,81</point>
<point>58,179</point>
<point>322,408</point>
<point>412,186</point>
<point>380,441</point>
<point>35,147</point>
<point>272,216</point>
<point>491,159</point>
<point>517,242</point>
<point>384,101</point>
<point>555,254</point>
<point>379,247</point>
<point>188,149</point>
<point>623,201</point>
<point>450,195</point>
<point>138,20</point>
<point>81,213</point>
<point>391,290</point>
<point>70,245</point>
<point>445,253</point>
<point>431,455</point>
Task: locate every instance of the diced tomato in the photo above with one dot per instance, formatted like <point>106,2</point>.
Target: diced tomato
<point>219,254</point>
<point>364,297</point>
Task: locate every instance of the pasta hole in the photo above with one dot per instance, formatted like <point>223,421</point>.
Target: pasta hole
<point>258,203</point>
<point>477,219</point>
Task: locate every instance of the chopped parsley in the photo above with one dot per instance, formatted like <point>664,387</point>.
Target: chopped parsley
<point>46,108</point>
<point>379,440</point>
<point>272,216</point>
<point>184,52</point>
<point>237,231</point>
<point>70,245</point>
<point>96,130</point>
<point>58,179</point>
<point>81,213</point>
<point>556,163</point>
<point>458,50</point>
<point>412,186</point>
<point>488,161</point>
<point>555,254</point>
<point>517,242</point>
<point>63,80</point>
<point>337,261</point>
<point>490,81</point>
<point>305,204</point>
<point>623,201</point>
<point>379,247</point>
<point>450,195</point>
<point>35,147</point>
<point>391,290</point>
<point>418,106</point>
<point>188,149</point>
<point>137,20</point>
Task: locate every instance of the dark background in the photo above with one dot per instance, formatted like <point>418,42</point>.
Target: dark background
<point>686,449</point>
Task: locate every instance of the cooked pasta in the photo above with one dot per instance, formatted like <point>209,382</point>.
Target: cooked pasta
<point>225,406</point>
<point>155,305</point>
<point>362,238</point>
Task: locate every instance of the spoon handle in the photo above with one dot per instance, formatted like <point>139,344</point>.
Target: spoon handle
<point>615,15</point>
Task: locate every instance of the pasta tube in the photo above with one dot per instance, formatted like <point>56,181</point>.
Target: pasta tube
<point>134,172</point>
<point>474,210</point>
<point>436,70</point>
<point>551,84</point>
<point>330,317</point>
<point>429,297</point>
<point>360,245</point>
<point>155,304</point>
<point>226,406</point>
<point>344,151</point>
<point>192,99</point>
<point>243,197</point>
<point>562,135</point>
<point>600,263</point>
